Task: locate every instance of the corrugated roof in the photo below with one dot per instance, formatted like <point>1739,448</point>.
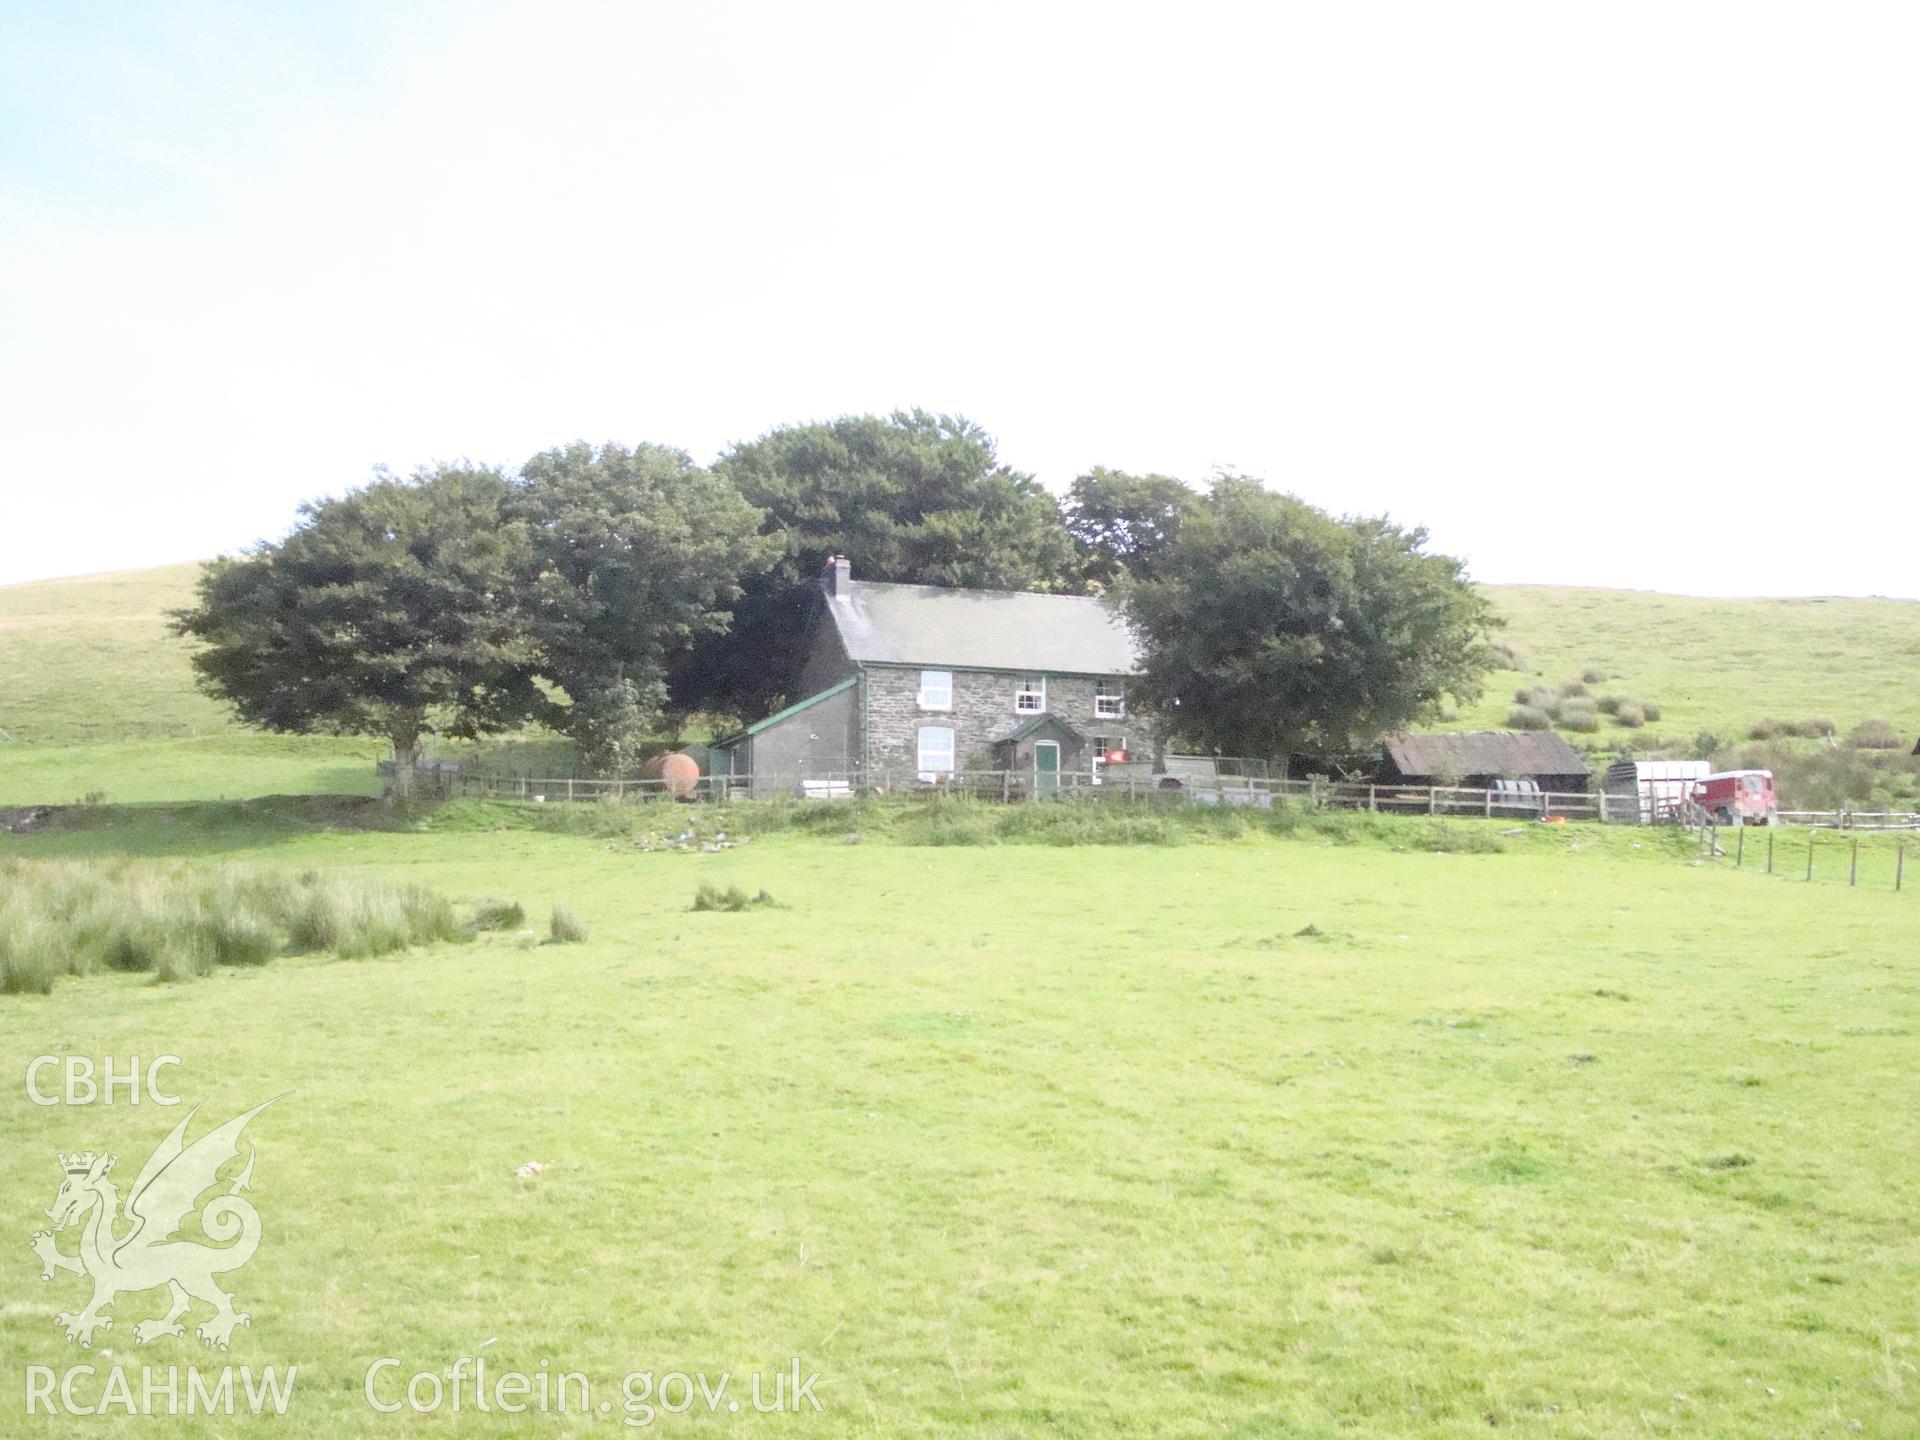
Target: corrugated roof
<point>933,625</point>
<point>799,705</point>
<point>1485,752</point>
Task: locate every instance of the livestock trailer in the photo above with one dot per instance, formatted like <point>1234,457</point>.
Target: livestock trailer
<point>1663,787</point>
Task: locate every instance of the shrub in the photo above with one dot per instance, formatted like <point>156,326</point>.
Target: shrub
<point>1766,730</point>
<point>1580,720</point>
<point>1507,656</point>
<point>376,924</point>
<point>430,916</point>
<point>1828,777</point>
<point>1609,704</point>
<point>317,923</point>
<point>1593,675</point>
<point>733,898</point>
<point>178,920</point>
<point>1528,717</point>
<point>1817,727</point>
<point>1650,710</point>
<point>499,915</point>
<point>138,941</point>
<point>241,936</point>
<point>1631,716</point>
<point>565,928</point>
<point>1573,688</point>
<point>29,956</point>
<point>178,963</point>
<point>1875,734</point>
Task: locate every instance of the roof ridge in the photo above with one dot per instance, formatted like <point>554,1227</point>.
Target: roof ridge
<point>972,590</point>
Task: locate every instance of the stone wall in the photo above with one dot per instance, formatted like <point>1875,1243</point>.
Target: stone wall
<point>982,706</point>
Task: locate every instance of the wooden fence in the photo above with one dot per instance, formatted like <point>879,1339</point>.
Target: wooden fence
<point>1852,819</point>
<point>1020,785</point>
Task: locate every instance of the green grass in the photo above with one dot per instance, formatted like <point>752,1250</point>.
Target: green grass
<point>1719,665</point>
<point>239,766</point>
<point>1255,1136</point>
<point>89,659</point>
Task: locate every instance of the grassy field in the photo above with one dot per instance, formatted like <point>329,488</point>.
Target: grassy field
<point>89,660</point>
<point>1253,1138</point>
<point>87,666</point>
<point>1713,665</point>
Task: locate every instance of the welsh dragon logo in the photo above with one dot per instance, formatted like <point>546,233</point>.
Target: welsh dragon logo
<point>145,1256</point>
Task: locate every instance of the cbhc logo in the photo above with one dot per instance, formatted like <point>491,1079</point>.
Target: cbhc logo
<point>82,1088</point>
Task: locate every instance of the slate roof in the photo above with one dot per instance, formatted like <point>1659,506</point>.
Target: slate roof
<point>935,626</point>
<point>1020,727</point>
<point>1486,752</point>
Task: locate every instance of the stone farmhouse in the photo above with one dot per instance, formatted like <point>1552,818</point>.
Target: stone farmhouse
<point>913,684</point>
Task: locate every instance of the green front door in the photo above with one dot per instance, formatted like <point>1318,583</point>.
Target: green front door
<point>1046,767</point>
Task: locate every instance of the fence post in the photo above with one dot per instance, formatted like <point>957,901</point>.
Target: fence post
<point>1769,850</point>
<point>1486,803</point>
<point>1740,849</point>
<point>1853,865</point>
<point>1809,854</point>
<point>1373,797</point>
<point>1433,800</point>
<point>1899,865</point>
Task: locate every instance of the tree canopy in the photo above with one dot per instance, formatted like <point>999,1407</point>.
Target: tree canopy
<point>393,610</point>
<point>635,554</point>
<point>1270,626</point>
<point>1122,522</point>
<point>912,498</point>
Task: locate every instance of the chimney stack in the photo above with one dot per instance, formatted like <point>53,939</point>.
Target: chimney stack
<point>838,575</point>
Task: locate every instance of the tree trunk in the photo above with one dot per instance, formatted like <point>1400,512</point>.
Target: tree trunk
<point>406,744</point>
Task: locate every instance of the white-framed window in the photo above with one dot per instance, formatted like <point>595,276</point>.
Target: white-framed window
<point>936,751</point>
<point>1101,745</point>
<point>1110,701</point>
<point>936,690</point>
<point>1030,695</point>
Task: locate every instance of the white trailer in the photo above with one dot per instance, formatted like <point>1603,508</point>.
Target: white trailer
<point>1663,787</point>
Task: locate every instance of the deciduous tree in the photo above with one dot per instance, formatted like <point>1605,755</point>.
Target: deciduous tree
<point>1122,522</point>
<point>912,498</point>
<point>393,610</point>
<point>1270,626</point>
<point>635,555</point>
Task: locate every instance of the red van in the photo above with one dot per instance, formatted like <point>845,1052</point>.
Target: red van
<point>1737,797</point>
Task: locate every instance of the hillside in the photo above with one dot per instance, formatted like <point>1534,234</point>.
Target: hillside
<point>97,698</point>
<point>1711,664</point>
<point>90,659</point>
<point>90,679</point>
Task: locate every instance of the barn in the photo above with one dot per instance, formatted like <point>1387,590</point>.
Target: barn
<point>1478,758</point>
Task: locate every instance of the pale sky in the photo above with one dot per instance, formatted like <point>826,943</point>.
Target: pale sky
<point>1621,295</point>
